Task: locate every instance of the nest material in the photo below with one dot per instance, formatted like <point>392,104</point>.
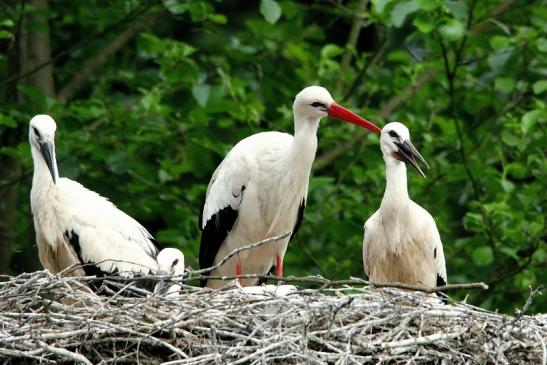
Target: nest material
<point>50,319</point>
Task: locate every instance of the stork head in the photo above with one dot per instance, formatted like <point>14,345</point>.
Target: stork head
<point>395,143</point>
<point>42,138</point>
<point>170,263</point>
<point>315,102</point>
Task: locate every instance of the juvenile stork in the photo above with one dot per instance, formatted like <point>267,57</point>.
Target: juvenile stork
<point>259,190</point>
<point>402,243</point>
<point>170,263</point>
<point>76,225</point>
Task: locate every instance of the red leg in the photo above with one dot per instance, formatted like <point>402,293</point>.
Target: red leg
<point>238,270</point>
<point>278,267</point>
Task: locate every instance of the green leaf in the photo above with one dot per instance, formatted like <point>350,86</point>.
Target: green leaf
<point>482,256</point>
<point>331,51</point>
<point>6,22</point>
<point>8,121</point>
<point>509,138</point>
<point>401,10</point>
<point>511,252</point>
<point>218,18</point>
<point>424,23</point>
<point>529,120</point>
<point>175,7</point>
<point>427,5</point>
<point>540,86</point>
<point>507,186</point>
<point>457,8</point>
<point>271,10</point>
<point>504,84</point>
<point>452,30</point>
<point>201,93</point>
<point>542,45</point>
<point>498,60</point>
<point>4,34</point>
<point>473,222</point>
<point>499,42</point>
<point>380,5</point>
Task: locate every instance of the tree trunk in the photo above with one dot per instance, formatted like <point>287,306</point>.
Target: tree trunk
<point>32,47</point>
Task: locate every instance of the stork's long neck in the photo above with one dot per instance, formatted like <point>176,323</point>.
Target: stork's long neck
<point>396,198</point>
<point>304,144</point>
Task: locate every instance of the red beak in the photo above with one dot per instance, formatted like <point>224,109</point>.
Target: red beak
<point>339,112</point>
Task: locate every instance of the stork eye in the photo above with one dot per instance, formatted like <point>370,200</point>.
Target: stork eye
<point>393,134</point>
<point>36,131</point>
<point>175,262</point>
<point>317,104</point>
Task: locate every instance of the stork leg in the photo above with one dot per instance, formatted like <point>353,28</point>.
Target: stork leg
<point>238,271</point>
<point>278,267</point>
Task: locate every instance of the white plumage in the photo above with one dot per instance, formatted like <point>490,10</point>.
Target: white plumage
<point>402,243</point>
<point>259,190</point>
<point>170,263</point>
<point>76,225</point>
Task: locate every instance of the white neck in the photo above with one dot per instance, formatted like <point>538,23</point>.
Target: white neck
<point>305,142</point>
<point>396,198</point>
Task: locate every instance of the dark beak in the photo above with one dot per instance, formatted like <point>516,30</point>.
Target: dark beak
<point>47,150</point>
<point>163,285</point>
<point>408,154</point>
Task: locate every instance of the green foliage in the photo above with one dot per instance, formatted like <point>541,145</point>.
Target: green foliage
<point>151,125</point>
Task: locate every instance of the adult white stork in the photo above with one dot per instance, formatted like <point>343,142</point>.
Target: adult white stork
<point>76,225</point>
<point>170,263</point>
<point>259,190</point>
<point>402,243</point>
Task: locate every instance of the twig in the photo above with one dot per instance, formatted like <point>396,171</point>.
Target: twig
<point>239,250</point>
<point>64,353</point>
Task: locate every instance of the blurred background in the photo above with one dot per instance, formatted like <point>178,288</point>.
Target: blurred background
<point>149,96</point>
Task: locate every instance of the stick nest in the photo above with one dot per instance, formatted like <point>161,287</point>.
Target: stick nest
<point>50,319</point>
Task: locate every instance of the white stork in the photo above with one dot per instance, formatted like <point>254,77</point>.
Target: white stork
<point>76,225</point>
<point>170,263</point>
<point>402,243</point>
<point>259,190</point>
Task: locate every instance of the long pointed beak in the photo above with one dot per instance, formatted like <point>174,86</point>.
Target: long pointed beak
<point>408,153</point>
<point>339,112</point>
<point>163,285</point>
<point>47,150</point>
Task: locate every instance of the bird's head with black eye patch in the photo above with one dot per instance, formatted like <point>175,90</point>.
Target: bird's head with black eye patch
<point>42,141</point>
<point>315,102</point>
<point>170,262</point>
<point>395,144</point>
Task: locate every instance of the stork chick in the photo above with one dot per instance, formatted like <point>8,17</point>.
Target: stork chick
<point>402,243</point>
<point>75,225</point>
<point>170,263</point>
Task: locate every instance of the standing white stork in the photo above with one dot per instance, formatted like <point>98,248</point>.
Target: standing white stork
<point>259,190</point>
<point>170,263</point>
<point>402,243</point>
<point>76,225</point>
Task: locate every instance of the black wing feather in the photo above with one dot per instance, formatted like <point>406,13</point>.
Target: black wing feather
<point>299,217</point>
<point>91,269</point>
<point>213,234</point>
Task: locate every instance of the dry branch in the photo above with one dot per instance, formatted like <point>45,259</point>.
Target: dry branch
<point>45,318</point>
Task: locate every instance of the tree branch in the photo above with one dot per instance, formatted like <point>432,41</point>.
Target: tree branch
<point>126,19</point>
<point>353,37</point>
<point>88,69</point>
